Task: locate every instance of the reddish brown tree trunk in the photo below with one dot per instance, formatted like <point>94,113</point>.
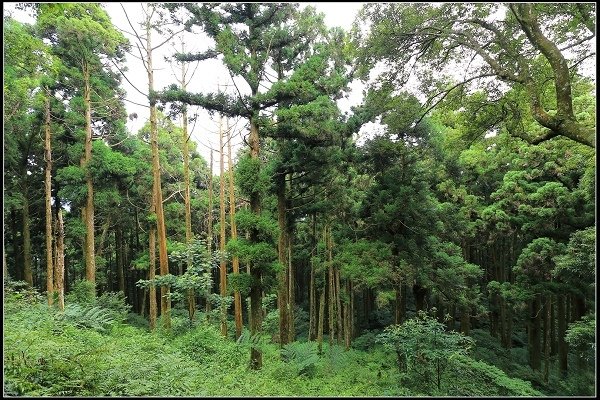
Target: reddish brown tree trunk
<point>48,203</point>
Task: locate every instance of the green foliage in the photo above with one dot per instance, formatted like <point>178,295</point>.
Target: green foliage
<point>86,316</point>
<point>424,348</point>
<point>302,355</point>
<point>476,378</point>
<point>82,292</point>
<point>581,337</point>
<point>239,282</point>
<point>250,177</point>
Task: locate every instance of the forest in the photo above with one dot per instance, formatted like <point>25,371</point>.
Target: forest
<point>436,239</point>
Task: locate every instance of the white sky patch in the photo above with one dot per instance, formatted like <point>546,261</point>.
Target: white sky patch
<point>210,75</point>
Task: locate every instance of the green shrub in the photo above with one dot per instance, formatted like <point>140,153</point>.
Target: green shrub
<point>302,355</point>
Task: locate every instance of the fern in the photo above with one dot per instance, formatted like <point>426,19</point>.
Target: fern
<point>258,341</point>
<point>338,358</point>
<point>302,355</point>
<point>92,317</point>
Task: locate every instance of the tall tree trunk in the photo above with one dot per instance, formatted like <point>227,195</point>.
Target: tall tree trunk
<point>321,320</point>
<point>237,298</point>
<point>398,315</point>
<point>282,275</point>
<point>48,198</point>
<point>312,330</point>
<point>465,320</point>
<point>291,290</point>
<point>90,257</point>
<point>419,293</point>
<point>255,272</point>
<point>209,233</point>
<point>553,342</point>
<point>191,295</point>
<point>59,269</point>
<point>338,306</point>
<point>152,267</point>
<point>331,296</point>
<point>534,333</point>
<point>27,262</point>
<point>223,264</point>
<point>119,257</point>
<point>165,304</point>
<point>563,349</point>
<point>546,316</point>
<point>347,318</point>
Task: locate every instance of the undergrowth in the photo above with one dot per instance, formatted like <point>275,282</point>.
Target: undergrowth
<point>88,351</point>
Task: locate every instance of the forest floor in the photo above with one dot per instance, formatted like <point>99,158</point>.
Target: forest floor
<point>86,352</point>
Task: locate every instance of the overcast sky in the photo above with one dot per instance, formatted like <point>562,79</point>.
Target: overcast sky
<point>207,76</point>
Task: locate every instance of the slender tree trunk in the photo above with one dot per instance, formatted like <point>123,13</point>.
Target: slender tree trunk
<point>27,262</point>
<point>152,267</point>
<point>312,295</point>
<point>563,349</point>
<point>48,198</point>
<point>398,315</point>
<point>347,318</point>
<point>90,257</point>
<point>191,295</point>
<point>546,312</point>
<point>419,294</point>
<point>60,261</point>
<point>534,333</point>
<point>553,342</point>
<point>338,306</point>
<point>255,272</point>
<point>291,290</point>
<point>223,264</point>
<point>209,233</point>
<point>165,304</point>
<point>321,320</point>
<point>119,257</point>
<point>465,320</point>
<point>237,298</point>
<point>331,296</point>
<point>282,275</point>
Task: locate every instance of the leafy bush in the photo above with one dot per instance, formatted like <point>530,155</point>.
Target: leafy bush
<point>116,305</point>
<point>476,378</point>
<point>82,292</point>
<point>302,355</point>
<point>423,347</point>
<point>365,341</point>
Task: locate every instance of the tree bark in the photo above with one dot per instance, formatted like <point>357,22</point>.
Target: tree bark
<point>119,258</point>
<point>546,315</point>
<point>321,320</point>
<point>282,275</point>
<point>237,298</point>
<point>90,257</point>
<point>255,272</point>
<point>27,262</point>
<point>209,233</point>
<point>291,289</point>
<point>191,295</point>
<point>222,238</point>
<point>563,349</point>
<point>59,269</point>
<point>152,267</point>
<point>165,304</point>
<point>48,203</point>
<point>534,333</point>
<point>419,293</point>
<point>331,280</point>
<point>564,122</point>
